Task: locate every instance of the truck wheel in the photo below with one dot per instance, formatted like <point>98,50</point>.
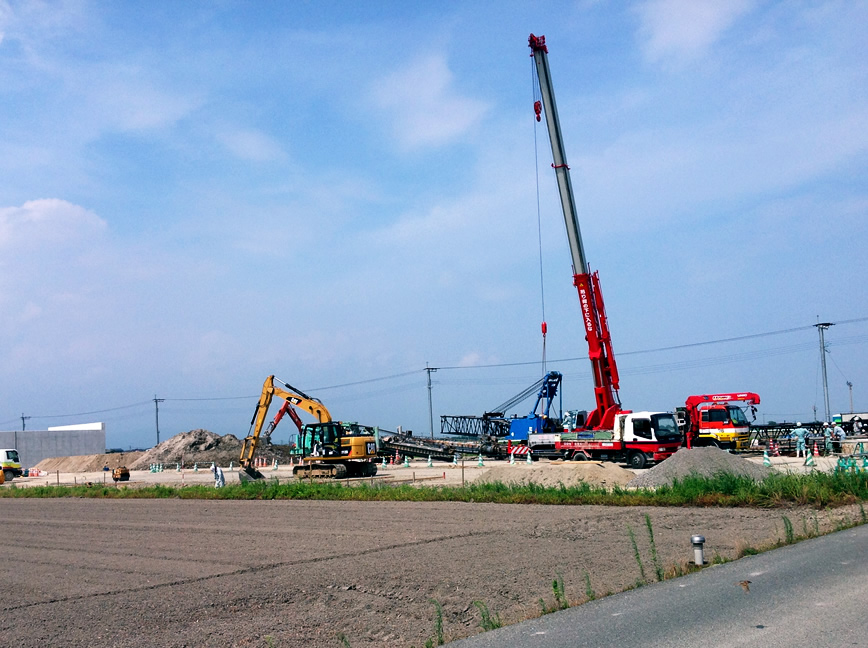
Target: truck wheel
<point>8,475</point>
<point>637,460</point>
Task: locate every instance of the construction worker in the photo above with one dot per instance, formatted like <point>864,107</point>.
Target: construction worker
<point>800,433</point>
<point>219,477</point>
<point>840,436</point>
<point>827,439</point>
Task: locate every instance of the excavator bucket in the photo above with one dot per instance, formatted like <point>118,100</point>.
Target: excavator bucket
<point>249,473</point>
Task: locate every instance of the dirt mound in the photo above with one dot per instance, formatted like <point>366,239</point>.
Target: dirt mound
<point>195,446</point>
<point>88,463</point>
<point>554,474</point>
<point>705,462</point>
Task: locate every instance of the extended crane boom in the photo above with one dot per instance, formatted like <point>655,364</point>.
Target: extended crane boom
<point>603,365</point>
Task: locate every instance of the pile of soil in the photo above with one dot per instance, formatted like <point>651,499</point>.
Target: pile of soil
<point>195,446</point>
<point>554,474</point>
<point>704,462</point>
<point>88,463</point>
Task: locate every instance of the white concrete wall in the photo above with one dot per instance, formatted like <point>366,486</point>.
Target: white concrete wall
<point>36,445</point>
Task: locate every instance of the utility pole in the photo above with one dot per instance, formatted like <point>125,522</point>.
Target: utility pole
<point>850,387</point>
<point>822,327</point>
<point>157,402</point>
<point>430,407</point>
<point>23,421</point>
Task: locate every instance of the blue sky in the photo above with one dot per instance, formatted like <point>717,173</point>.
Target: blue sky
<point>197,195</point>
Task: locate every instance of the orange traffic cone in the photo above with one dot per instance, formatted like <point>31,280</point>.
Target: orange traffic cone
<point>816,451</point>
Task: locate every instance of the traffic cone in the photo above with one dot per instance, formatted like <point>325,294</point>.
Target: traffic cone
<point>430,462</point>
<point>195,467</point>
<point>511,458</point>
<point>407,461</point>
<point>383,464</point>
<point>529,459</point>
<point>809,459</point>
<point>480,463</point>
<point>275,465</point>
<point>816,450</point>
<point>231,466</point>
<point>766,461</point>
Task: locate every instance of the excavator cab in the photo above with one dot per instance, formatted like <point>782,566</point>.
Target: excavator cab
<point>321,440</point>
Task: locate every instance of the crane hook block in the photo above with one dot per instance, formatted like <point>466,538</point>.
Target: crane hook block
<point>537,109</point>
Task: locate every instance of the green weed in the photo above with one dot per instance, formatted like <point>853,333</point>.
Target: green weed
<point>654,557</point>
<point>789,537</point>
<point>488,622</point>
<point>589,591</point>
<point>642,580</point>
<point>558,590</point>
<point>438,622</point>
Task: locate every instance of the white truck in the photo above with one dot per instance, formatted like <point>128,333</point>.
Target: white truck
<point>10,463</point>
<point>638,439</point>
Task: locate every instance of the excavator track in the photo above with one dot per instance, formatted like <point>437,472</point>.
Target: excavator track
<point>335,470</point>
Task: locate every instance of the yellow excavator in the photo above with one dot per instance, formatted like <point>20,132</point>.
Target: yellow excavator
<point>329,449</point>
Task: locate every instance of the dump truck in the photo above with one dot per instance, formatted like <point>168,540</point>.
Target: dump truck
<point>10,463</point>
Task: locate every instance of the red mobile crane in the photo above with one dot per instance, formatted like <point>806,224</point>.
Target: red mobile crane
<point>714,419</point>
<point>603,365</point>
<point>608,432</point>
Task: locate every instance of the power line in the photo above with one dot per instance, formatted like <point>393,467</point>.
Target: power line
<point>110,409</point>
<point>649,369</point>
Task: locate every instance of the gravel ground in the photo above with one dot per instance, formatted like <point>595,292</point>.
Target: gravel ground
<point>132,573</point>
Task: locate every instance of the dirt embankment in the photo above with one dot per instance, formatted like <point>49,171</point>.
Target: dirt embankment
<point>88,463</point>
<point>187,448</point>
<point>554,474</point>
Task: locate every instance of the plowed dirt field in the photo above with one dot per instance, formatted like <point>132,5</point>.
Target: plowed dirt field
<point>132,573</point>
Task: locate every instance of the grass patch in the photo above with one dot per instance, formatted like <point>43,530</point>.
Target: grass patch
<point>819,490</point>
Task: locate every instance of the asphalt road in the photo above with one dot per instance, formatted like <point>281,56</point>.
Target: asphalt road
<point>809,595</point>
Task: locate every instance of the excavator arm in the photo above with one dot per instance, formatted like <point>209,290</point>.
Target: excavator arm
<point>293,397</point>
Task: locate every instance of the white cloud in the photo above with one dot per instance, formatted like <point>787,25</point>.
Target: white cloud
<point>48,221</point>
<point>128,101</point>
<point>251,145</point>
<point>423,106</point>
<point>686,28</point>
